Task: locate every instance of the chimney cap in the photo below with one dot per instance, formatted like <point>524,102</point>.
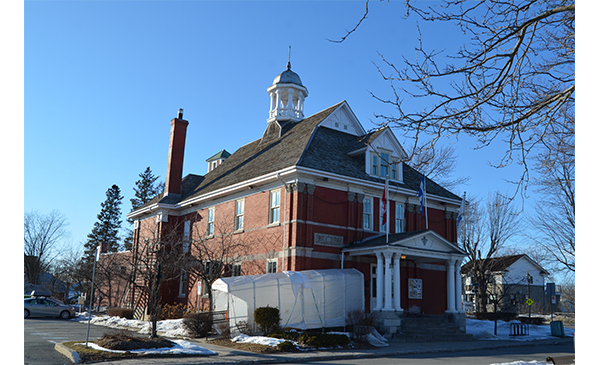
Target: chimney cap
<point>180,113</point>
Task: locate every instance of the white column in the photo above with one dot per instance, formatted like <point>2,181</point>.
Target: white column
<point>388,281</point>
<point>290,101</point>
<point>450,287</point>
<point>379,305</point>
<point>459,306</point>
<point>397,292</point>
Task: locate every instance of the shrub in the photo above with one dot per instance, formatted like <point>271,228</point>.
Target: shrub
<point>198,324</point>
<point>286,346</point>
<point>320,340</point>
<point>267,319</point>
<point>243,327</point>
<point>503,316</point>
<point>121,312</point>
<point>360,324</point>
<point>174,311</point>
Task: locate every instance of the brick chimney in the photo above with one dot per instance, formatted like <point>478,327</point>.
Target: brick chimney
<point>176,148</point>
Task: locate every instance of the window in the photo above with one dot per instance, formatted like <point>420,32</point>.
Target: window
<point>274,206</point>
<point>210,222</point>
<point>367,213</point>
<point>384,164</point>
<point>236,270</point>
<point>271,266</point>
<point>399,217</point>
<point>239,215</point>
<point>186,236</point>
<point>182,284</point>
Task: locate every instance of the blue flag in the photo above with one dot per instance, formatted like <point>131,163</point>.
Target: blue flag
<point>423,195</point>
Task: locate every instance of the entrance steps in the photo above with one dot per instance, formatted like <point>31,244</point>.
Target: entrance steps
<point>432,328</point>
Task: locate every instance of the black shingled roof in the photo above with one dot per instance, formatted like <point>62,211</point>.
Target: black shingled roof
<point>303,144</point>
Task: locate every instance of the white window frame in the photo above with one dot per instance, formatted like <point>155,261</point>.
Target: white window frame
<point>210,221</point>
<point>271,266</point>
<point>274,206</point>
<point>368,213</point>
<point>239,215</point>
<point>399,220</point>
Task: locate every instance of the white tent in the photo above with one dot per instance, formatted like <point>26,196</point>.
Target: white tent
<point>306,299</point>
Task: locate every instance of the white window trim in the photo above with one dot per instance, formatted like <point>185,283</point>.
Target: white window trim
<point>368,224</point>
<point>210,222</point>
<point>270,264</point>
<point>239,216</point>
<point>274,208</point>
<point>399,217</point>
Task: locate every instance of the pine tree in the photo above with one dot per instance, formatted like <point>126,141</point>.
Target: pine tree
<point>106,229</point>
<point>146,189</point>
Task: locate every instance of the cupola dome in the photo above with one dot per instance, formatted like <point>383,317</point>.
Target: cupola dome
<point>287,97</point>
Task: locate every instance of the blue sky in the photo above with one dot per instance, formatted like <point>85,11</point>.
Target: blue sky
<point>103,79</point>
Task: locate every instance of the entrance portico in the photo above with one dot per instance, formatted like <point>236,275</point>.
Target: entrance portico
<point>418,272</point>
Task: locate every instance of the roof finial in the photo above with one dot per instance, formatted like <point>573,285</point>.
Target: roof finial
<point>289,65</point>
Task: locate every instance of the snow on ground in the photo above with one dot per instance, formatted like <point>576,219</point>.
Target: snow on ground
<point>480,329</point>
<point>181,347</point>
<point>484,330</point>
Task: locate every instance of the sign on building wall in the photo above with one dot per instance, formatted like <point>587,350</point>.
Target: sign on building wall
<point>415,289</point>
<point>329,240</point>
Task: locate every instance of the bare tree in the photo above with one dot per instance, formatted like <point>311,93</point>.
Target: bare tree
<point>438,164</point>
<point>218,255</point>
<point>487,227</point>
<point>554,220</point>
<point>41,234</point>
<point>511,80</point>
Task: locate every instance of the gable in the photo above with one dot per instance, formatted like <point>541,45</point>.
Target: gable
<point>428,241</point>
<point>343,120</point>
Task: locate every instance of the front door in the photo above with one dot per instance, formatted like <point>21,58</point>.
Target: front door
<point>373,286</point>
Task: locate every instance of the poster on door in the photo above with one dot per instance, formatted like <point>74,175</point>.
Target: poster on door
<point>415,289</point>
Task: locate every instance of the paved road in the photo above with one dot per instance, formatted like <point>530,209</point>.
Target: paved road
<point>41,334</point>
<point>563,352</point>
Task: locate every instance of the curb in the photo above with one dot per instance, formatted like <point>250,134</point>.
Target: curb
<point>70,354</point>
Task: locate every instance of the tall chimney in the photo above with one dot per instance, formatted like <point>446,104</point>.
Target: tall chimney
<point>176,148</point>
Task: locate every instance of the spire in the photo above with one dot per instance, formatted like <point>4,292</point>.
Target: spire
<point>289,64</point>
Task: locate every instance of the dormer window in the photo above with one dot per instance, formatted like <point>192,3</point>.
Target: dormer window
<point>383,164</point>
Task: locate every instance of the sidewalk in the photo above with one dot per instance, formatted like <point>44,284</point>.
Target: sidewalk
<point>232,356</point>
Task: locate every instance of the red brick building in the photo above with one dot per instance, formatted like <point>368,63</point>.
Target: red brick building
<point>307,194</point>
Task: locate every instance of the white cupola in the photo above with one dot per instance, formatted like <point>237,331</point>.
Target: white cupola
<point>287,97</point>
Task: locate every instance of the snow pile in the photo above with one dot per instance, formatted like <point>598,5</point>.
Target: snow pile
<point>259,340</point>
<point>484,330</point>
<point>168,328</point>
<point>181,347</point>
<point>522,363</point>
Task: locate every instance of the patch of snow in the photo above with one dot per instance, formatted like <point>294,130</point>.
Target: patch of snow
<point>521,363</point>
<point>484,330</point>
<point>259,340</point>
<point>181,347</point>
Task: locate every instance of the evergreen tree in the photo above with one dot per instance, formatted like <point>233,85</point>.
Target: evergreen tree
<point>146,189</point>
<point>106,229</point>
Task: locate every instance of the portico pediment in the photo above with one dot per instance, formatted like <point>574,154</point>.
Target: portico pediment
<point>425,243</point>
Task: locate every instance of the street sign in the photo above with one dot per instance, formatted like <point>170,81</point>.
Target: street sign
<point>529,302</point>
<point>554,299</point>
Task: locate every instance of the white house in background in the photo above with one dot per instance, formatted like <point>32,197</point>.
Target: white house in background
<point>512,280</point>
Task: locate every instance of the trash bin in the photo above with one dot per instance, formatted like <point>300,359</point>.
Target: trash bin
<point>557,328</point>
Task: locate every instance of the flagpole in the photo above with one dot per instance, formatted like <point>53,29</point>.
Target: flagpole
<point>87,336</point>
<point>425,199</point>
<point>387,226</point>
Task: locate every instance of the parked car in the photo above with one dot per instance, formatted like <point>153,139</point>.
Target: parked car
<point>48,307</point>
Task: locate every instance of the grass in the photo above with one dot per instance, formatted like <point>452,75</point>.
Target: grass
<point>120,341</point>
